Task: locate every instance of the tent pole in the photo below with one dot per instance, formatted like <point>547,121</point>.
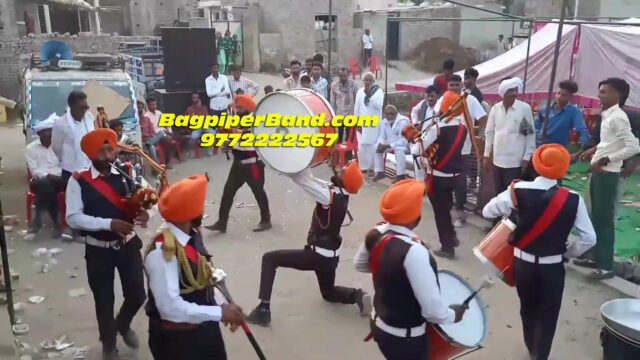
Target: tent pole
<point>386,62</point>
<point>552,82</point>
<point>526,64</point>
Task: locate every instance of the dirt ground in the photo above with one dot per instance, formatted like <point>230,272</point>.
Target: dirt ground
<point>304,327</point>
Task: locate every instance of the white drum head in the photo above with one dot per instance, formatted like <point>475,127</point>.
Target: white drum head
<point>471,331</point>
<point>287,160</point>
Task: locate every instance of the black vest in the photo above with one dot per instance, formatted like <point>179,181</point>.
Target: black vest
<point>446,140</point>
<point>394,300</point>
<point>327,222</point>
<point>199,297</point>
<point>552,240</point>
<point>243,154</point>
<point>95,204</point>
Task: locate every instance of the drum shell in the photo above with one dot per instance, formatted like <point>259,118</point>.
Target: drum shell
<point>617,347</point>
<point>440,346</point>
<point>495,251</point>
<point>314,104</point>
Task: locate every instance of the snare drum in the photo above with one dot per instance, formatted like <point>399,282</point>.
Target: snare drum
<point>496,253</point>
<point>292,160</point>
<point>447,341</point>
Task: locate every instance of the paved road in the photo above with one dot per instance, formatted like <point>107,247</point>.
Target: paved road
<point>304,326</point>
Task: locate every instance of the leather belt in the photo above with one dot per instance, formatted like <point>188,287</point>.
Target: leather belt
<point>401,332</point>
<point>546,260</point>
<point>251,160</point>
<point>170,325</point>
<point>325,252</point>
<point>115,244</point>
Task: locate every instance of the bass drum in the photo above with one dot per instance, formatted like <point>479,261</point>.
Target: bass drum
<point>299,102</point>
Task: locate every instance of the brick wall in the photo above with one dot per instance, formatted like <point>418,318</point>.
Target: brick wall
<point>11,49</point>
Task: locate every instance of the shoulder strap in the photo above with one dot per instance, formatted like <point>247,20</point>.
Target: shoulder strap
<point>374,258</point>
<point>548,215</point>
<point>103,188</point>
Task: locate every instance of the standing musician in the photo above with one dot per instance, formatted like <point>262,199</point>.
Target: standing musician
<point>407,291</point>
<point>246,168</point>
<point>441,147</point>
<point>183,312</point>
<point>321,254</point>
<point>94,200</point>
<point>546,213</point>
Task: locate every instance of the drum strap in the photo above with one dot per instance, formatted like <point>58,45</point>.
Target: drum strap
<point>101,186</point>
<point>374,259</point>
<point>548,215</point>
<point>447,156</point>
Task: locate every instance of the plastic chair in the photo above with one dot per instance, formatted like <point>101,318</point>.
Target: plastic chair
<point>374,66</point>
<point>161,155</point>
<point>354,67</point>
<point>350,145</point>
<point>62,207</point>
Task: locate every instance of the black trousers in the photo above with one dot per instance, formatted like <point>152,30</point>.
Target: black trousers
<point>203,343</point>
<point>441,198</point>
<point>65,178</point>
<point>46,190</point>
<point>504,176</point>
<point>252,175</point>
<point>461,187</point>
<point>540,288</point>
<point>305,260</point>
<point>397,348</point>
<point>101,266</point>
<point>366,55</point>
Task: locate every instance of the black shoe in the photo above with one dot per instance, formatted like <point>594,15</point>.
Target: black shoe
<point>35,226</point>
<point>445,253</point>
<point>109,352</point>
<point>363,300</point>
<point>56,232</point>
<point>378,176</point>
<point>130,339</point>
<point>218,226</point>
<point>263,226</point>
<point>261,315</point>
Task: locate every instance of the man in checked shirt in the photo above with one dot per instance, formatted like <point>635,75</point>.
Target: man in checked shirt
<point>237,81</point>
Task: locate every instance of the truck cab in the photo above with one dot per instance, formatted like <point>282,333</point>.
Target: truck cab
<point>46,86</point>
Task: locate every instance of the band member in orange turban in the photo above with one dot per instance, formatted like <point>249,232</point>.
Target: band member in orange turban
<point>402,202</point>
<point>551,161</point>
<point>180,276</point>
<point>322,251</point>
<point>245,102</point>
<point>451,105</point>
<point>93,142</point>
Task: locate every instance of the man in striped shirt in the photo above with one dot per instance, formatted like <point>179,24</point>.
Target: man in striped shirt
<point>237,81</point>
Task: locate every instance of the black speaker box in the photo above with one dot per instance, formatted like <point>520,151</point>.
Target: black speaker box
<point>176,102</point>
<point>188,55</point>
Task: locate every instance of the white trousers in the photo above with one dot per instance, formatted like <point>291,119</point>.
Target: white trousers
<point>401,161</point>
<point>366,154</point>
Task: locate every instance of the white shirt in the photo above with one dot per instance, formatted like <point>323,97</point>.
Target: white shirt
<point>65,141</point>
<point>164,283</point>
<point>431,135</point>
<point>42,161</point>
<point>421,276</point>
<point>367,41</point>
<point>429,112</point>
<point>321,191</point>
<point>155,120</point>
<point>502,205</point>
<point>391,132</point>
<point>76,218</point>
<point>369,134</point>
<point>617,142</point>
<point>475,110</point>
<point>246,85</point>
<point>218,91</point>
<point>503,139</point>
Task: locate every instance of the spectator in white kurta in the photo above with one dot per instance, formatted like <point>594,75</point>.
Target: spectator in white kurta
<point>391,140</point>
<point>46,179</point>
<point>367,47</point>
<point>369,102</point>
<point>425,108</point>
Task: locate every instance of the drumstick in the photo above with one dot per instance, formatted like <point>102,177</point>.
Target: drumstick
<point>487,282</point>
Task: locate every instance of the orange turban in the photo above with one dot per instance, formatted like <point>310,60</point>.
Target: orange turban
<point>246,102</point>
<point>352,177</point>
<point>448,100</point>
<point>93,141</point>
<point>184,200</point>
<point>402,202</point>
<point>551,161</point>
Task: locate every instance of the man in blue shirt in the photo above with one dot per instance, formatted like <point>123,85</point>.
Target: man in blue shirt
<point>563,117</point>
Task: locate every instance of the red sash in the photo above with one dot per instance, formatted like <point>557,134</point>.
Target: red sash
<point>548,215</point>
<point>104,189</point>
<point>445,159</point>
<point>374,260</point>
